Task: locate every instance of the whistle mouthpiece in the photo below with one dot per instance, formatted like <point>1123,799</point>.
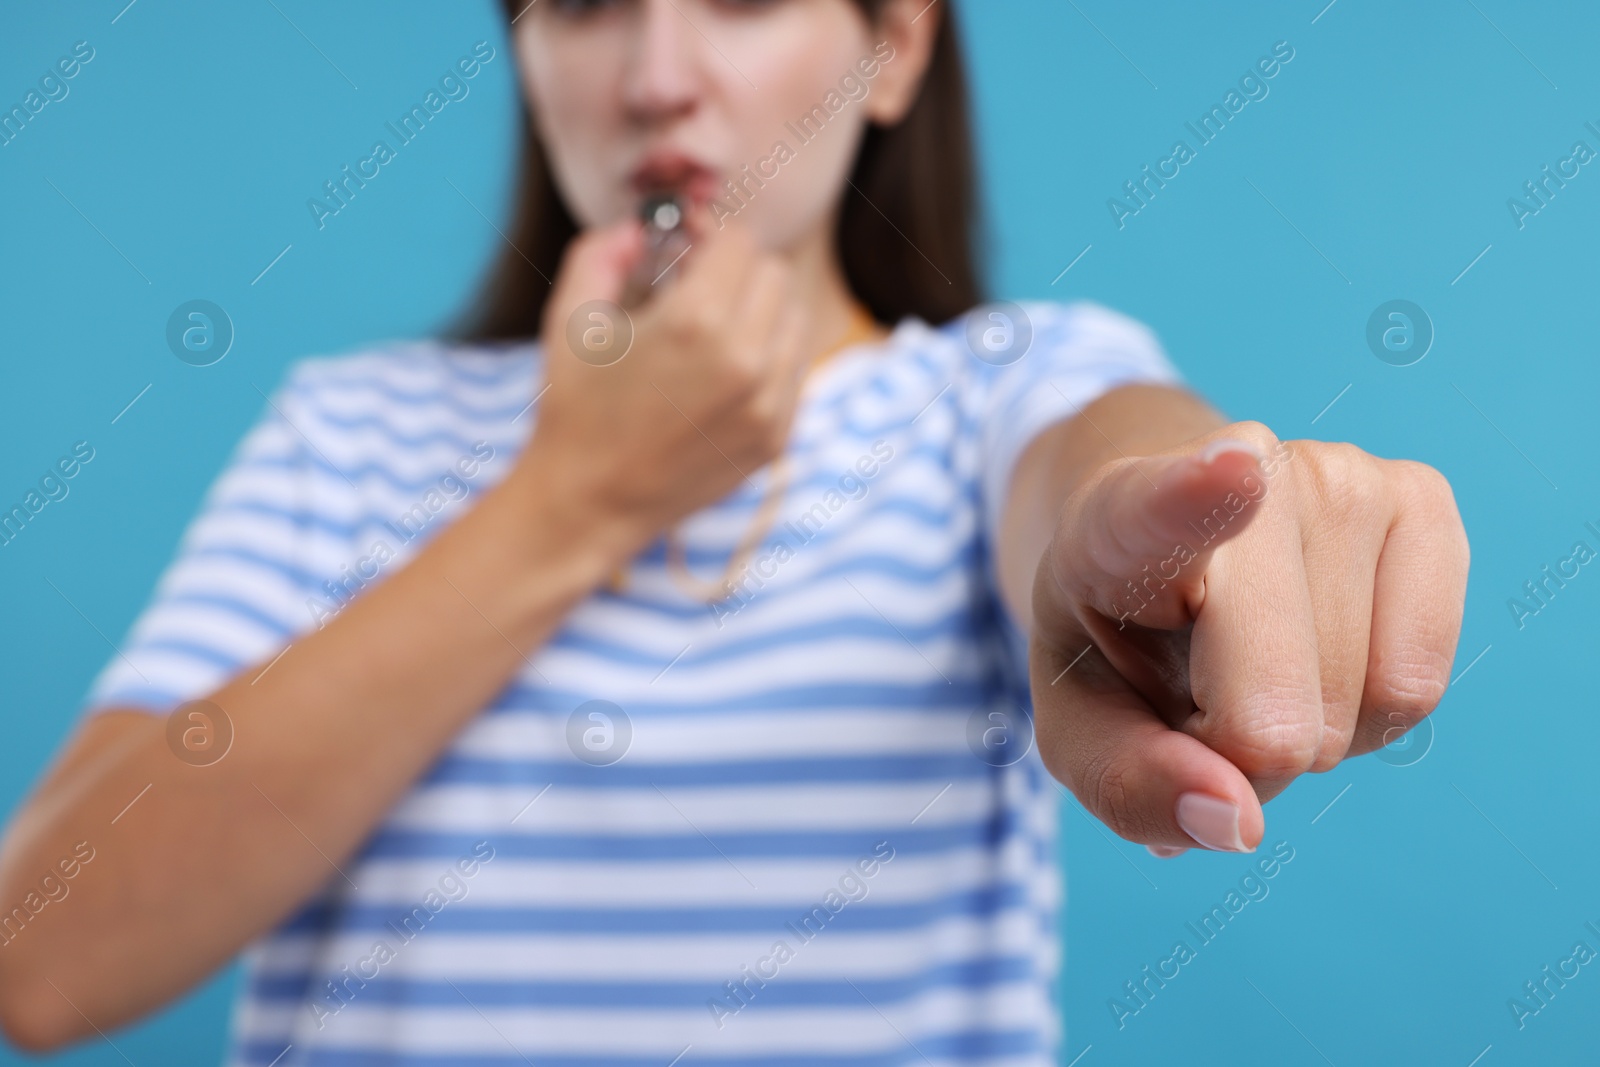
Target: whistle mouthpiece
<point>661,211</point>
<point>666,239</point>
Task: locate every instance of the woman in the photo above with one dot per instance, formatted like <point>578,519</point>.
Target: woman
<point>658,692</point>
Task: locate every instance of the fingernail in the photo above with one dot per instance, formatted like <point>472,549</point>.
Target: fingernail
<point>1166,852</point>
<point>1211,821</point>
<point>1223,446</point>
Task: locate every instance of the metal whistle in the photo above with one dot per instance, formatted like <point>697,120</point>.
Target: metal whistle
<point>666,239</point>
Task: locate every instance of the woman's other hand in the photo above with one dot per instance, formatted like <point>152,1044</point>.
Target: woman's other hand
<point>652,414</point>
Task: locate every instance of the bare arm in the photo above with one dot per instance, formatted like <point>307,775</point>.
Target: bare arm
<point>326,742</point>
<point>330,737</point>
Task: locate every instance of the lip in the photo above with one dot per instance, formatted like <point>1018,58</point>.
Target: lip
<point>669,170</point>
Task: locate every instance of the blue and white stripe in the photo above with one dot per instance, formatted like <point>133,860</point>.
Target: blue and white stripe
<point>774,748</point>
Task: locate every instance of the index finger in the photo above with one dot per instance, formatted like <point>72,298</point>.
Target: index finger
<point>1135,544</point>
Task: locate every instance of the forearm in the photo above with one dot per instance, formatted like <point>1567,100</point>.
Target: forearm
<point>326,741</point>
<point>1134,420</point>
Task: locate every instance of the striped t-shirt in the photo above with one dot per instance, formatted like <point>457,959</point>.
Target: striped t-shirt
<point>803,825</point>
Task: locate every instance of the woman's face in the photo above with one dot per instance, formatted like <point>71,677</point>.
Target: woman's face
<point>635,96</point>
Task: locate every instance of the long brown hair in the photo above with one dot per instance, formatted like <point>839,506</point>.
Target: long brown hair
<point>906,230</point>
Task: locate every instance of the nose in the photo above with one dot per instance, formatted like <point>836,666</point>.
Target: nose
<point>663,80</point>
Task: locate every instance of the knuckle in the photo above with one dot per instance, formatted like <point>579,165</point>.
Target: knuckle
<point>706,321</point>
<point>1425,478</point>
<point>1331,753</point>
<point>1255,433</point>
<point>1269,749</point>
<point>1110,798</point>
<point>740,381</point>
<point>691,322</point>
<point>1425,485</point>
<point>677,322</point>
<point>1347,481</point>
<point>1347,461</point>
<point>1409,684</point>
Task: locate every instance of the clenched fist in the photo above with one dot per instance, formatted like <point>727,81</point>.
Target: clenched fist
<point>706,391</point>
<point>1215,620</point>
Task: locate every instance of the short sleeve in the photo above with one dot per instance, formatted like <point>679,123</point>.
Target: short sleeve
<point>1078,352</point>
<point>237,591</point>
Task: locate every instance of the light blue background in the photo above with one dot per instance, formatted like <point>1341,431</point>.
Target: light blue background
<point>1419,902</point>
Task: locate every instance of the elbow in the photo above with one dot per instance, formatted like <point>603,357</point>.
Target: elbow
<point>35,1017</point>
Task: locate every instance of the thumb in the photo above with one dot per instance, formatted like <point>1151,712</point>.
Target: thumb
<point>595,266</point>
<point>1134,544</point>
<point>1148,782</point>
